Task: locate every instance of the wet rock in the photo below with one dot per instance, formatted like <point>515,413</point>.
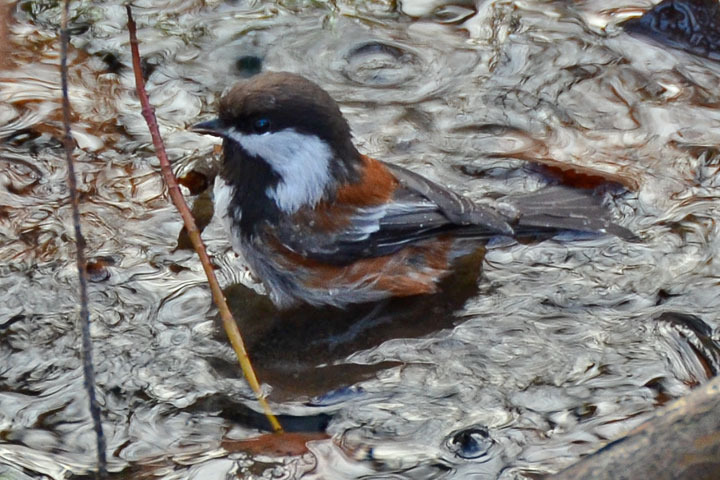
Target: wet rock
<point>679,441</point>
<point>690,25</point>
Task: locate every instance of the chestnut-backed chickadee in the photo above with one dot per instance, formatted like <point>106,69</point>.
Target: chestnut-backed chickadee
<point>320,223</point>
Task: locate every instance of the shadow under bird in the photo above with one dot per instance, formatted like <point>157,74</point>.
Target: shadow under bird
<point>320,223</point>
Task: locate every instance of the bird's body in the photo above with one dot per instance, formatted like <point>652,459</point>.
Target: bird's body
<point>319,223</point>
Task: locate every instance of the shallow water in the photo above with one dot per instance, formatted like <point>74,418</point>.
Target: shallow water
<point>556,348</point>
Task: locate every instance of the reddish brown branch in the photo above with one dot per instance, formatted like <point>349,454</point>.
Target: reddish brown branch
<point>193,232</point>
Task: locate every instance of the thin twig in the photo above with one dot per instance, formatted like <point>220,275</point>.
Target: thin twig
<point>229,324</point>
<point>87,357</point>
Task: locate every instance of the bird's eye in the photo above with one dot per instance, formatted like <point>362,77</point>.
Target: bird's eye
<point>261,125</point>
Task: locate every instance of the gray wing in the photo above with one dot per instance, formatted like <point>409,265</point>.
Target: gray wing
<point>560,208</point>
<point>422,209</point>
<point>456,209</point>
<point>419,209</point>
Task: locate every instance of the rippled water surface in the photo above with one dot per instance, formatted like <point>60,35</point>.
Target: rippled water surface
<point>518,370</point>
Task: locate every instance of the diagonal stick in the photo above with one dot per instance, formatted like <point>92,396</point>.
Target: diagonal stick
<point>229,324</point>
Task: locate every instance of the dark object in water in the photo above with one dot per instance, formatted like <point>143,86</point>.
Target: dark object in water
<point>248,65</point>
<point>471,443</point>
<point>690,25</point>
<point>699,335</point>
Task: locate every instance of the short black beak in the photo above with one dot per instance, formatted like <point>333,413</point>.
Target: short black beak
<point>211,127</point>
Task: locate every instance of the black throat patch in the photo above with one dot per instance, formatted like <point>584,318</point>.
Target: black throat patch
<point>251,177</point>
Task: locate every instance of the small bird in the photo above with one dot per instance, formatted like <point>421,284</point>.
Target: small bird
<point>322,224</point>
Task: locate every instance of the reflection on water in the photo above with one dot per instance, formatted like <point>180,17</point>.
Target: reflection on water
<point>515,369</point>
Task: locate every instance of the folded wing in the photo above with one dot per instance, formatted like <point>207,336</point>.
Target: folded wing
<point>421,209</point>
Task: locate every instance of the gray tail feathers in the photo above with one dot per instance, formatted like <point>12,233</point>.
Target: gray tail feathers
<point>560,208</point>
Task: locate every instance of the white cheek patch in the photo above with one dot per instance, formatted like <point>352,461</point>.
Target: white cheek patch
<point>301,161</point>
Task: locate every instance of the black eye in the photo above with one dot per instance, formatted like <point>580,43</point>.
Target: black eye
<point>261,125</point>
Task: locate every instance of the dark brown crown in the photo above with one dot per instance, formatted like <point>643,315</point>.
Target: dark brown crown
<point>288,101</point>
